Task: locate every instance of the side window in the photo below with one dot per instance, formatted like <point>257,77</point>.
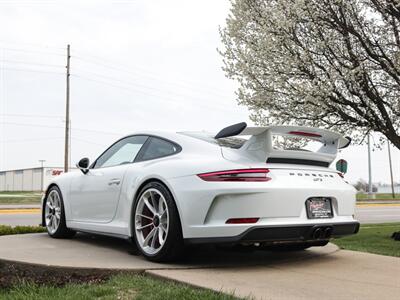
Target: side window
<point>157,148</point>
<point>122,152</point>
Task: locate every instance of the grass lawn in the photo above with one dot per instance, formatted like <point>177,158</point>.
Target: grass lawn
<point>20,197</point>
<point>125,286</point>
<point>373,238</point>
<point>7,230</point>
<point>381,196</point>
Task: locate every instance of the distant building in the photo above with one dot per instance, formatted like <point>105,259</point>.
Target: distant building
<point>33,179</point>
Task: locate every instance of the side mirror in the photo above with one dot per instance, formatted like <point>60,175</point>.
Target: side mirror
<point>83,165</point>
<point>341,166</point>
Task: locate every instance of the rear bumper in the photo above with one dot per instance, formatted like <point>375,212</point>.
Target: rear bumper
<point>280,233</point>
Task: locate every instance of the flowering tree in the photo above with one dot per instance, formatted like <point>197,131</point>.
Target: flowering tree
<point>328,63</point>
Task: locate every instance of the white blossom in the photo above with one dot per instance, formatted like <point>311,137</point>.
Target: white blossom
<point>327,63</point>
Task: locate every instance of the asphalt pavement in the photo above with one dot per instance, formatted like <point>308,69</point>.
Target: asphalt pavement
<point>19,218</point>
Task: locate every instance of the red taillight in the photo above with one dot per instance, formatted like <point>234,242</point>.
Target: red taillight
<point>237,175</point>
<point>303,133</point>
<point>241,220</point>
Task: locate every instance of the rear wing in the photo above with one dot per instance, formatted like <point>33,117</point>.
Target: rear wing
<point>260,145</point>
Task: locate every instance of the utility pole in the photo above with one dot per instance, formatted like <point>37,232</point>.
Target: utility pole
<point>391,170</point>
<point>369,167</point>
<point>66,149</point>
<point>42,178</point>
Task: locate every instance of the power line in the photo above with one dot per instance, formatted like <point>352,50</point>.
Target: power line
<point>21,140</point>
<point>31,63</point>
<point>88,142</point>
<point>130,83</point>
<point>31,116</point>
<point>32,70</point>
<point>153,75</point>
<point>30,51</point>
<point>48,126</point>
<point>158,97</point>
<point>24,44</point>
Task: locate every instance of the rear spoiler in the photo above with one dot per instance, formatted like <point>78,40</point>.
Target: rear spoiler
<point>260,146</point>
<point>322,135</point>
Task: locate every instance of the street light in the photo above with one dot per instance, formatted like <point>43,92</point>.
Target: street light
<point>42,178</point>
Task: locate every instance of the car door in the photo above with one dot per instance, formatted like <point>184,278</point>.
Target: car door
<point>94,196</point>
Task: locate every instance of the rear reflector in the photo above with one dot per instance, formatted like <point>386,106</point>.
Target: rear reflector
<point>304,133</point>
<point>242,220</point>
<point>237,175</point>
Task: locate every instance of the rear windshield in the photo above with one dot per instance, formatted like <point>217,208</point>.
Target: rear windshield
<point>229,142</point>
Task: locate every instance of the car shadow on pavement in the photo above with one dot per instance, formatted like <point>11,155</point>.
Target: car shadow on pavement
<point>212,255</point>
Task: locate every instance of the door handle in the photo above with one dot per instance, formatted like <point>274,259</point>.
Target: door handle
<point>115,181</point>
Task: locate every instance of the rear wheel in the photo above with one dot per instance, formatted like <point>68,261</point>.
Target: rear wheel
<point>54,215</point>
<point>157,228</point>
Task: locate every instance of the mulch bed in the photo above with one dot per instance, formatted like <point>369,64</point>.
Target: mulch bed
<point>12,274</point>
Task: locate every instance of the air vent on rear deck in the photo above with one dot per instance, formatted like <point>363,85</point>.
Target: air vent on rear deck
<point>295,161</point>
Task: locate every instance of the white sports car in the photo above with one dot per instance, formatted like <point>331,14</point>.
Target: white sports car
<point>166,190</point>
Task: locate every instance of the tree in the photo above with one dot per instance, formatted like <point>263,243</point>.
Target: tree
<point>327,63</point>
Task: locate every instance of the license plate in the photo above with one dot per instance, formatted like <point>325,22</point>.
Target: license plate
<point>319,208</point>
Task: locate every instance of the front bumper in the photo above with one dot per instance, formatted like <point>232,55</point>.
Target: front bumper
<point>282,233</point>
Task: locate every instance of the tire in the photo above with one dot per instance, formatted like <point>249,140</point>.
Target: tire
<point>54,215</point>
<point>158,236</point>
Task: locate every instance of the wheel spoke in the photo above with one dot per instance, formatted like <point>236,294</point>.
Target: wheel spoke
<point>144,226</point>
<point>149,206</point>
<point>153,240</point>
<point>160,206</point>
<point>144,216</point>
<point>148,237</point>
<point>53,223</point>
<point>57,202</point>
<point>49,205</point>
<point>153,201</point>
<point>161,235</point>
<point>48,220</point>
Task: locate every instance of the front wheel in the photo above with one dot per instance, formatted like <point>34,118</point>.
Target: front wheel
<point>54,215</point>
<point>157,229</point>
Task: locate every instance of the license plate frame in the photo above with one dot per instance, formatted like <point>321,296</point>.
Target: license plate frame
<point>319,208</point>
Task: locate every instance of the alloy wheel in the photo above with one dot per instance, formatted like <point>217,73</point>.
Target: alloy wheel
<point>53,211</point>
<point>151,221</point>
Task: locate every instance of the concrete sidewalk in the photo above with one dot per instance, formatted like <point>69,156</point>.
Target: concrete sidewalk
<point>340,275</point>
<point>317,273</point>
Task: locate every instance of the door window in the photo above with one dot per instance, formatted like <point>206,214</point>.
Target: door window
<point>122,152</point>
